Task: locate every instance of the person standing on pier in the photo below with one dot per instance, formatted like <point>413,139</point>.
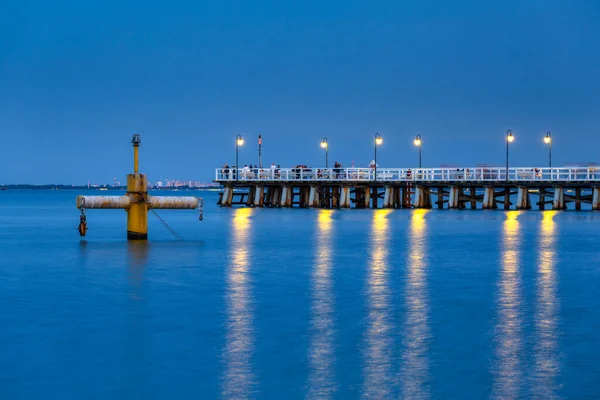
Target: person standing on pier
<point>337,169</point>
<point>226,171</point>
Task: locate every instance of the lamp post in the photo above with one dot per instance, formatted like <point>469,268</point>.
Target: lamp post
<point>325,145</point>
<point>548,141</point>
<point>378,141</point>
<point>509,139</point>
<point>239,140</point>
<point>418,143</point>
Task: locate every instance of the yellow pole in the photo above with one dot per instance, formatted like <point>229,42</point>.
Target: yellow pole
<point>137,190</point>
<point>137,222</point>
<point>135,160</point>
<point>136,143</point>
<point>137,213</point>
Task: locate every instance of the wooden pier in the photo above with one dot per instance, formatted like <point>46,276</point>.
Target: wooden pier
<point>442,188</point>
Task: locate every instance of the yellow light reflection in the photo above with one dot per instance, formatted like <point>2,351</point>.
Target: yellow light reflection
<point>321,380</point>
<point>377,373</point>
<point>546,311</point>
<point>508,331</point>
<point>239,341</point>
<point>415,363</point>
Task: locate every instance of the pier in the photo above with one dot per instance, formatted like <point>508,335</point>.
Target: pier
<point>441,188</point>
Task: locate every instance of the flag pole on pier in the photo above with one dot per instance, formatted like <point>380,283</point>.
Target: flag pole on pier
<point>259,151</point>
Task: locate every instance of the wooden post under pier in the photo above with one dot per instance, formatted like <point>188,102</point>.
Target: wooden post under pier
<point>422,197</point>
<point>523,202</point>
<point>335,197</point>
<point>259,194</point>
<point>344,197</point>
<point>375,196</point>
<point>440,198</point>
<point>489,198</point>
<point>453,200</point>
<point>313,197</point>
<point>473,197</point>
<point>461,198</point>
<point>388,197</point>
<point>559,198</point>
<point>596,198</point>
<point>406,200</point>
<point>250,199</point>
<point>507,198</point>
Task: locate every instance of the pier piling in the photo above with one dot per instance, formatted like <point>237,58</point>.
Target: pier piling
<point>489,198</point>
<point>453,201</point>
<point>559,198</point>
<point>523,202</point>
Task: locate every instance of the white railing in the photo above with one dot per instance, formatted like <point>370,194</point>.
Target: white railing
<point>485,174</point>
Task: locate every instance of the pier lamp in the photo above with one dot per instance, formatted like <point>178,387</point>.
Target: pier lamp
<point>509,139</point>
<point>325,145</point>
<point>418,143</point>
<point>378,141</point>
<point>548,141</point>
<point>239,140</point>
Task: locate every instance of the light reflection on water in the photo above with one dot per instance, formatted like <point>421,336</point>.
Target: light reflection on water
<point>137,252</point>
<point>377,382</point>
<point>238,379</point>
<point>546,310</point>
<point>507,370</point>
<point>415,358</point>
<point>136,337</point>
<point>321,381</point>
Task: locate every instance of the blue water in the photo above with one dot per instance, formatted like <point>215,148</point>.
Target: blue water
<point>276,303</point>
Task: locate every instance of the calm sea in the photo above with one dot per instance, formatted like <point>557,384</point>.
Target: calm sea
<point>278,303</point>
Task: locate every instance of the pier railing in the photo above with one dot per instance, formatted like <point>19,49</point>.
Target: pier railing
<point>489,174</point>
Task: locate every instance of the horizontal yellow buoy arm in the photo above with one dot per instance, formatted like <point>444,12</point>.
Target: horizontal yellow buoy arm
<point>103,202</point>
<point>173,202</point>
<point>124,202</point>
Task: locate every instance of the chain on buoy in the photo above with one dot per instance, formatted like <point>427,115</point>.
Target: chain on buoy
<point>82,223</point>
<point>200,209</point>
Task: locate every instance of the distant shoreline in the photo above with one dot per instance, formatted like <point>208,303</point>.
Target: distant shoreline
<point>100,188</point>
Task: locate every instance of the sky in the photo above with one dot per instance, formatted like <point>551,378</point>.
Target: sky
<point>78,78</point>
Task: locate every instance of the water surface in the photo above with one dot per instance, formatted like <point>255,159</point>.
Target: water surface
<point>278,303</point>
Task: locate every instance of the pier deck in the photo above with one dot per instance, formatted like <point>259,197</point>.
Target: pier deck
<point>453,188</point>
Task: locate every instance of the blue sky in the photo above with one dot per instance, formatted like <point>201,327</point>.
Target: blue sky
<point>77,79</point>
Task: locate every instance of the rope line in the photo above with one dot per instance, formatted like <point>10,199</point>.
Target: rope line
<point>167,226</point>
